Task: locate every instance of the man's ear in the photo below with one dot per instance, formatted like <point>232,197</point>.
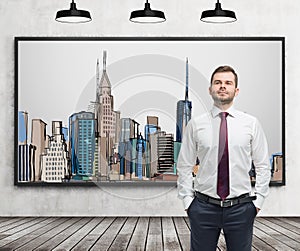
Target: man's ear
<point>237,91</point>
<point>209,90</point>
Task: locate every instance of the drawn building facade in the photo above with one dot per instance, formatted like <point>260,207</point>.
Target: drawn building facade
<point>24,170</point>
<point>55,160</point>
<point>38,144</point>
<point>184,109</point>
<point>82,143</point>
<point>107,121</point>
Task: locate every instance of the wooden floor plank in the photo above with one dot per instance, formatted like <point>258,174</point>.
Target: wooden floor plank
<point>221,242</point>
<point>144,233</point>
<point>187,222</point>
<point>122,240</point>
<point>170,238</point>
<point>154,238</point>
<point>269,236</point>
<point>8,221</point>
<point>43,235</point>
<point>46,242</point>
<point>183,232</point>
<point>75,238</point>
<point>61,233</point>
<point>139,236</point>
<point>258,244</point>
<point>3,219</point>
<point>88,241</point>
<point>68,241</point>
<point>104,242</point>
<point>33,233</point>
<point>283,227</point>
<point>22,230</point>
<point>15,223</point>
<point>2,236</point>
<point>283,235</point>
<point>287,223</point>
<point>295,219</point>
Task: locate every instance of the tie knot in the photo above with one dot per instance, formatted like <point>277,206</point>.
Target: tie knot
<point>224,115</point>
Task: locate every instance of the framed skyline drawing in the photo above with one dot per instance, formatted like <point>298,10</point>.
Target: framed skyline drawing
<point>93,111</point>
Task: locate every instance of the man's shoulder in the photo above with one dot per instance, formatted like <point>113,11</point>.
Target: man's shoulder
<point>244,115</point>
<point>201,118</point>
<point>199,121</point>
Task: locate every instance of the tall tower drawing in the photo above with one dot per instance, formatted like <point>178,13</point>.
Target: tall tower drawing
<point>107,120</point>
<point>24,171</point>
<point>184,109</point>
<point>151,145</point>
<point>127,147</point>
<point>105,101</point>
<point>82,139</point>
<point>38,143</point>
<point>54,162</point>
<point>140,170</point>
<point>165,151</point>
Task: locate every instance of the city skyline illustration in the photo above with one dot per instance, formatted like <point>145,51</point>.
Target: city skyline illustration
<point>99,144</point>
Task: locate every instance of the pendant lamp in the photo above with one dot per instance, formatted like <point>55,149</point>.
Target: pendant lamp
<point>147,15</point>
<point>218,15</point>
<point>73,15</point>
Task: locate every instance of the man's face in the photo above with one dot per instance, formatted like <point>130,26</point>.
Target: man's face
<point>223,88</point>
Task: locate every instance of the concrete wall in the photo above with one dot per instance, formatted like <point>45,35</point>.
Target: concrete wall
<point>110,18</point>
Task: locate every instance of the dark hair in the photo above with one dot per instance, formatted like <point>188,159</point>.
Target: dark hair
<point>225,68</point>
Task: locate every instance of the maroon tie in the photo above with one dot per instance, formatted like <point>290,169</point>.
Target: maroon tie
<point>223,159</point>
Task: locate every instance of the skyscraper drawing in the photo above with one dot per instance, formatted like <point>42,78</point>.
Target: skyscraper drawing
<point>140,149</point>
<point>24,171</point>
<point>165,148</point>
<point>55,160</point>
<point>151,145</point>
<point>82,141</point>
<point>151,126</point>
<point>184,109</point>
<point>177,146</point>
<point>38,142</point>
<point>107,120</point>
<point>127,147</point>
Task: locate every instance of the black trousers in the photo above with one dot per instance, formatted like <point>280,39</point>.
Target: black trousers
<point>207,220</point>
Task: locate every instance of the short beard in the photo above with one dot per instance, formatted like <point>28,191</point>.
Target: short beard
<point>225,101</point>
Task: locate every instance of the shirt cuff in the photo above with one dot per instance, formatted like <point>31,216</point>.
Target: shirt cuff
<point>259,201</point>
<point>187,201</point>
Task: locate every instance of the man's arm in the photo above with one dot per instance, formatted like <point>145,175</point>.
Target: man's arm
<point>260,156</point>
<point>186,161</point>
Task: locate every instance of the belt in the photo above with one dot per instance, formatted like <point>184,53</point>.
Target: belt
<point>225,203</point>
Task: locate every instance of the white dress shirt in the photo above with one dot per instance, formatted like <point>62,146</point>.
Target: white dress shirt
<point>246,143</point>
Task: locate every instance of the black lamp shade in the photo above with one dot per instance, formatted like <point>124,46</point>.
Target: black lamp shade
<point>73,15</point>
<point>218,15</point>
<point>147,15</point>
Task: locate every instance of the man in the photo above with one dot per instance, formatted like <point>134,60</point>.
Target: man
<point>227,142</point>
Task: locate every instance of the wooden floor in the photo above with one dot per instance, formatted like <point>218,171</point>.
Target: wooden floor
<point>119,233</point>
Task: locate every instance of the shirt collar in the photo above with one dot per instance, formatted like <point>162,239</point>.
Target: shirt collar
<point>215,111</point>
